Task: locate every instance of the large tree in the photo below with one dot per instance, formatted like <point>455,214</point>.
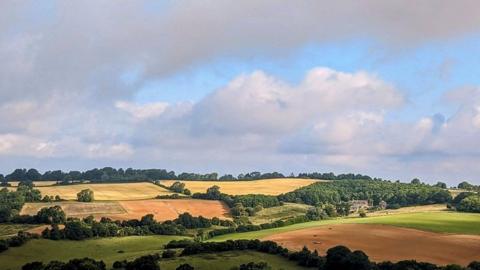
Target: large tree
<point>85,195</point>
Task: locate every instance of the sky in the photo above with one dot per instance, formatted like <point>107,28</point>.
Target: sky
<point>383,88</point>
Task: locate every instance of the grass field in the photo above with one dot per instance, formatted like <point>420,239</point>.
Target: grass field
<point>104,248</point>
<point>288,210</point>
<point>108,192</point>
<point>108,249</point>
<point>227,260</point>
<point>12,229</point>
<point>267,186</point>
<point>438,221</point>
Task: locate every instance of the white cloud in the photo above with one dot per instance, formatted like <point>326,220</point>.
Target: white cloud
<point>142,112</point>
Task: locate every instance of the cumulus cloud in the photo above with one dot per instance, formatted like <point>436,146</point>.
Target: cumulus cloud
<point>62,96</point>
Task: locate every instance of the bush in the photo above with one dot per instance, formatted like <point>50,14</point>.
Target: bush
<point>169,253</point>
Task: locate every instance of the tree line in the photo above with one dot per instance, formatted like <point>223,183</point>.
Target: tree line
<point>109,174</point>
<point>396,194</point>
<point>466,202</point>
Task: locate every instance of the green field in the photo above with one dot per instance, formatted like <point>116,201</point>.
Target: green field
<point>12,229</point>
<point>441,221</point>
<point>227,260</point>
<point>107,249</point>
<point>288,210</point>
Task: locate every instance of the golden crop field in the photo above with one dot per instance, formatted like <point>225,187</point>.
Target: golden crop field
<point>268,186</point>
<point>35,183</point>
<point>124,210</point>
<point>107,192</point>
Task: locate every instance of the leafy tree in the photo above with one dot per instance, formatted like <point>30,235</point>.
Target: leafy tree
<point>178,187</point>
<point>441,185</point>
<point>415,181</point>
<point>51,215</point>
<point>470,204</point>
<point>85,195</point>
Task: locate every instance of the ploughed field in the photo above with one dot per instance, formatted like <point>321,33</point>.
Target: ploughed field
<point>107,192</point>
<point>383,242</point>
<point>267,186</point>
<point>122,210</point>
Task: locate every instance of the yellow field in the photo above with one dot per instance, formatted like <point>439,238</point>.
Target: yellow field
<point>107,192</point>
<point>268,186</point>
<point>124,210</point>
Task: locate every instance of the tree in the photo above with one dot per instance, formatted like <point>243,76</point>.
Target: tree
<point>470,204</point>
<point>85,195</point>
<point>178,187</point>
<point>213,193</point>
<point>465,185</point>
<point>33,175</point>
<point>415,181</point>
<point>441,185</point>
<point>51,215</point>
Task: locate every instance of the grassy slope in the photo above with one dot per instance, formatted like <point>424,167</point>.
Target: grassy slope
<point>441,221</point>
<point>12,229</point>
<point>105,249</point>
<point>135,246</point>
<point>227,260</point>
<point>285,211</point>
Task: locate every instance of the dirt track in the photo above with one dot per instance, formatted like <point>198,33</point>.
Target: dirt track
<point>381,242</point>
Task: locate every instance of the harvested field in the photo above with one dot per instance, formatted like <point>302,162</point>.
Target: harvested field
<point>78,209</point>
<point>382,242</point>
<point>170,209</point>
<point>108,192</point>
<point>267,187</point>
<point>35,183</point>
<point>286,211</point>
<point>122,210</point>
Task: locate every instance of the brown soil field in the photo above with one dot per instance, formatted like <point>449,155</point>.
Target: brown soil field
<point>122,210</point>
<point>382,242</point>
<point>267,186</point>
<point>107,192</point>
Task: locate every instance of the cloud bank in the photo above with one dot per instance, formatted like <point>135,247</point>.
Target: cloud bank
<point>63,100</point>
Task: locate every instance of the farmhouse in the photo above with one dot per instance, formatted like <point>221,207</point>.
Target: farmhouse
<point>358,204</point>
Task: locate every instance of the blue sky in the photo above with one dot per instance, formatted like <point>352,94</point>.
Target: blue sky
<point>391,90</point>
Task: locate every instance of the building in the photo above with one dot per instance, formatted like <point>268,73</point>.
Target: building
<point>382,205</point>
<point>358,204</point>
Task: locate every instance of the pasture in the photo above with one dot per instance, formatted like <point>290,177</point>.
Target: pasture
<point>127,248</point>
<point>288,210</point>
<point>107,249</point>
<point>12,229</point>
<point>228,260</point>
<point>122,210</point>
<point>383,242</point>
<point>267,186</point>
<point>107,192</point>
